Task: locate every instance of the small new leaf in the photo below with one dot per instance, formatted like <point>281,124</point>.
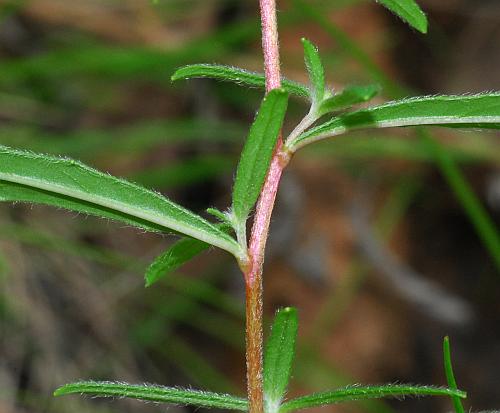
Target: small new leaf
<point>353,393</point>
<point>153,393</point>
<point>176,255</point>
<point>450,377</point>
<point>278,358</point>
<point>409,11</point>
<point>257,153</point>
<point>350,96</point>
<point>238,76</point>
<point>64,183</point>
<point>315,70</point>
<point>475,111</point>
<point>223,217</point>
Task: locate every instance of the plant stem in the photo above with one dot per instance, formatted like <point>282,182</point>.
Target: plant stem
<point>262,219</point>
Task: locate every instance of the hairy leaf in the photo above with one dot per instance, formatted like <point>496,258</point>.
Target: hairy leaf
<point>409,11</point>
<point>176,255</point>
<point>352,393</point>
<point>475,111</point>
<point>257,153</point>
<point>350,96</point>
<point>236,75</point>
<point>223,217</point>
<point>278,358</point>
<point>27,177</point>
<point>450,377</point>
<point>154,393</point>
<point>315,70</point>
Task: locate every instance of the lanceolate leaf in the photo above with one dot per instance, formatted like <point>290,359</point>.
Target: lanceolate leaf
<point>155,393</point>
<point>27,177</point>
<point>476,111</point>
<point>409,11</point>
<point>352,393</point>
<point>257,153</point>
<point>315,70</point>
<point>350,96</point>
<point>278,359</point>
<point>176,255</point>
<point>236,75</point>
<point>450,377</point>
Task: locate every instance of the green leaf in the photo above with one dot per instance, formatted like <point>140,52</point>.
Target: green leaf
<point>350,96</point>
<point>257,153</point>
<point>27,177</point>
<point>153,393</point>
<point>237,75</point>
<point>475,111</point>
<point>450,377</point>
<point>315,70</point>
<point>409,11</point>
<point>353,393</point>
<point>223,217</point>
<point>278,358</point>
<point>176,255</point>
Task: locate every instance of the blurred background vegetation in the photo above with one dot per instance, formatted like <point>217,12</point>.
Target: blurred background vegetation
<point>385,241</point>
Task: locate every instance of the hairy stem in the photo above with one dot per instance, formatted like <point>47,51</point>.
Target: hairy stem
<point>260,229</point>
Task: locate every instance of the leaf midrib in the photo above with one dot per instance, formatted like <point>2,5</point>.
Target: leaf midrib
<point>143,212</point>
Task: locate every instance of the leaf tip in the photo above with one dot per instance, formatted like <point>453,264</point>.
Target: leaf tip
<point>59,392</point>
<point>423,26</point>
<point>289,310</point>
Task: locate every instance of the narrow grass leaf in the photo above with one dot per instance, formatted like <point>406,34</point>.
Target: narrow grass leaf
<point>353,393</point>
<point>175,256</point>
<point>278,358</point>
<point>315,70</point>
<point>236,75</point>
<point>475,111</point>
<point>350,96</point>
<point>257,153</point>
<point>409,11</point>
<point>450,377</point>
<point>33,178</point>
<point>153,393</point>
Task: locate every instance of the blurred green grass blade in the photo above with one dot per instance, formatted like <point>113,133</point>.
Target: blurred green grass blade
<point>476,111</point>
<point>315,70</point>
<point>236,75</point>
<point>279,355</point>
<point>27,177</point>
<point>350,96</point>
<point>409,11</point>
<point>257,153</point>
<point>134,138</point>
<point>484,225</point>
<point>204,291</point>
<point>450,377</point>
<point>40,239</point>
<point>153,393</point>
<point>173,257</point>
<point>186,172</point>
<point>194,365</point>
<point>353,393</point>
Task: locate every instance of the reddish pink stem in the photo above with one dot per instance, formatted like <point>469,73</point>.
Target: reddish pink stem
<point>270,44</point>
<point>262,219</point>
